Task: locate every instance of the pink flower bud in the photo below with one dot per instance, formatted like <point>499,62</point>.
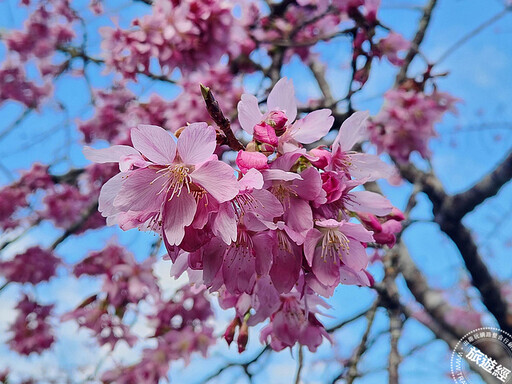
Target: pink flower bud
<point>247,160</point>
<point>229,335</point>
<point>265,133</point>
<point>323,155</point>
<point>243,337</point>
<point>370,221</point>
<point>332,186</point>
<point>396,214</point>
<point>278,120</point>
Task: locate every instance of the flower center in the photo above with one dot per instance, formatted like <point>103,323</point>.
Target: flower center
<point>283,193</point>
<point>334,244</point>
<point>243,203</point>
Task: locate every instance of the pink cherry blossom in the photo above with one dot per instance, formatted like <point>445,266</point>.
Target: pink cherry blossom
<point>406,121</point>
<point>32,266</point>
<point>31,329</point>
<point>163,194</point>
<point>333,246</point>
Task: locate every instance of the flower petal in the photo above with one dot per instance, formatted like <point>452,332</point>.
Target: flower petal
<point>177,214</point>
<point>218,179</point>
<point>369,167</point>
<point>155,143</point>
<point>140,191</point>
<point>352,130</point>
<point>111,154</point>
<point>282,97</point>
<point>326,271</point>
<point>249,113</point>
<point>224,224</point>
<point>313,126</point>
<point>356,257</point>
<point>368,202</point>
<point>197,143</point>
<point>299,216</point>
<point>213,256</point>
<point>108,193</point>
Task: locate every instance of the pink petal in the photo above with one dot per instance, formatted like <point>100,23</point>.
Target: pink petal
<point>108,193</point>
<point>285,269</point>
<point>253,179</point>
<point>350,277</point>
<point>299,216</point>
<point>286,161</point>
<point>177,214</point>
<point>371,167</point>
<point>368,202</point>
<point>111,154</point>
<point>352,131</point>
<point>282,97</point>
<point>312,238</point>
<point>238,270</point>
<point>278,174</point>
<point>218,179</point>
<point>225,224</point>
<point>155,143</point>
<point>326,271</point>
<point>140,191</point>
<point>265,300</point>
<point>310,186</point>
<point>356,257</point>
<point>249,113</point>
<point>251,160</point>
<point>266,205</point>
<point>313,126</point>
<point>357,231</point>
<point>213,256</point>
<point>262,252</point>
<point>197,143</point>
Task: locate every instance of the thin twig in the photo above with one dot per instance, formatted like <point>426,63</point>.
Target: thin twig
<point>300,364</point>
<point>416,41</point>
<point>218,117</point>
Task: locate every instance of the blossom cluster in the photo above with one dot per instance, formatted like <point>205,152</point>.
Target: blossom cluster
<point>31,330</point>
<point>274,237</point>
<point>180,330</point>
<point>406,121</point>
<point>118,109</point>
<point>32,266</point>
<point>48,27</point>
<point>185,34</point>
<point>124,282</point>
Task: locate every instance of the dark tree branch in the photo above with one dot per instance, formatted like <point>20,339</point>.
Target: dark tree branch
<point>462,203</point>
<point>488,287</point>
<point>416,41</point>
<point>319,72</point>
<point>350,371</point>
<point>482,279</point>
<point>93,208</point>
<point>218,117</point>
<point>245,366</point>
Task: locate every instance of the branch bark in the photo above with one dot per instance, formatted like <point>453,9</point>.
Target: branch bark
<point>416,41</point>
<point>459,205</point>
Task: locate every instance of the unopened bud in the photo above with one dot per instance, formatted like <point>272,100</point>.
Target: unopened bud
<point>229,335</point>
<point>370,221</point>
<point>396,214</point>
<point>243,337</point>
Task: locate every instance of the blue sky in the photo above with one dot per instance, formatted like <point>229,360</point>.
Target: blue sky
<point>469,145</point>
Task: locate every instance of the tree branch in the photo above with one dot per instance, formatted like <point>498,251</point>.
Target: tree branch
<point>416,41</point>
<point>459,205</point>
<point>218,117</point>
